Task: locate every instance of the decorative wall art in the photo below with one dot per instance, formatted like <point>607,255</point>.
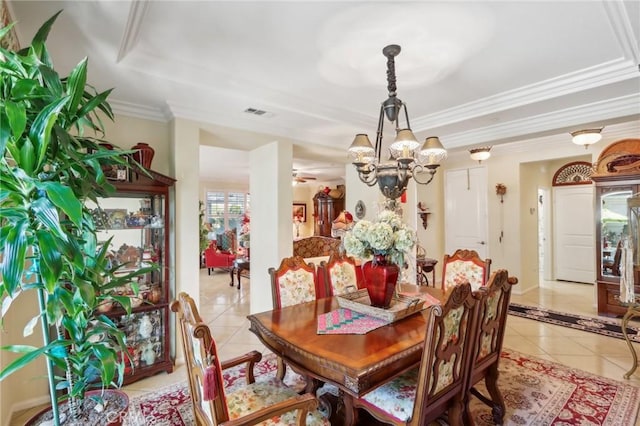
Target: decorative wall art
<point>299,212</point>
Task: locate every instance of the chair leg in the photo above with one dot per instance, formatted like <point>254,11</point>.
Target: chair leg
<point>491,382</point>
<point>455,413</point>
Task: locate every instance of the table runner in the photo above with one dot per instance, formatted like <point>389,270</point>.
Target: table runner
<point>346,321</point>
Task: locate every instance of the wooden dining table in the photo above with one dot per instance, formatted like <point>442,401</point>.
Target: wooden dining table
<point>355,363</point>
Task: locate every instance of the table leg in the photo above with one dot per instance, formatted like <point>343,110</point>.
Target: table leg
<point>631,313</point>
<point>231,274</point>
<point>350,411</point>
<point>238,273</point>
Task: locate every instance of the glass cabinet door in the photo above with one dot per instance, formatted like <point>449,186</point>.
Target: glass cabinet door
<point>614,227</point>
<point>633,204</point>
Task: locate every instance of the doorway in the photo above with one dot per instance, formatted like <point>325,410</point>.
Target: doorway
<point>466,212</point>
<point>573,220</point>
<point>545,255</point>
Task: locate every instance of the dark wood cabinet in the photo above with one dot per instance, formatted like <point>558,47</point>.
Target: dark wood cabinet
<point>136,218</point>
<point>617,179</point>
<point>325,209</point>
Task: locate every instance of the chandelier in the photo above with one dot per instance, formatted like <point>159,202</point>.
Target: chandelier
<point>408,157</point>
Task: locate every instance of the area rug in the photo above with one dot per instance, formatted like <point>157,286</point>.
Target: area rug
<point>536,393</point>
<point>606,327</point>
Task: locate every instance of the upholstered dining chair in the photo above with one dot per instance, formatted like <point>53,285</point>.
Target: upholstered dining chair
<point>492,318</point>
<point>295,281</point>
<point>251,404</point>
<point>465,266</point>
<point>436,387</point>
<point>340,275</point>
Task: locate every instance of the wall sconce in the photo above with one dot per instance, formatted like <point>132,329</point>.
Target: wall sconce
<point>586,137</point>
<point>501,189</point>
<point>424,213</point>
<point>480,154</point>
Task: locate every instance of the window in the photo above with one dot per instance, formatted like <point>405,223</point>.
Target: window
<point>225,209</point>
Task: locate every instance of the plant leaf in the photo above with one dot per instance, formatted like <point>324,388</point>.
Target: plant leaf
<point>28,329</point>
<point>51,257</point>
<point>64,198</point>
<point>15,249</point>
<point>17,115</point>
<point>40,132</point>
<point>17,364</point>
<point>40,38</point>
<point>47,214</point>
<point>75,85</point>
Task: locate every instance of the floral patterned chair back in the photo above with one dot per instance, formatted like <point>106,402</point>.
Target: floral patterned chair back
<point>492,318</point>
<point>340,275</point>
<point>465,266</point>
<point>293,282</point>
<point>421,395</point>
<point>250,404</point>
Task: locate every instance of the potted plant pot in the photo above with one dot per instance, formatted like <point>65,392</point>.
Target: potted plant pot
<point>110,412</point>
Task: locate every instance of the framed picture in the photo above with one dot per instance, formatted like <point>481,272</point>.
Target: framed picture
<point>116,172</point>
<point>299,212</point>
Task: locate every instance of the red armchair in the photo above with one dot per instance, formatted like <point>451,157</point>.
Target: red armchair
<point>215,258</point>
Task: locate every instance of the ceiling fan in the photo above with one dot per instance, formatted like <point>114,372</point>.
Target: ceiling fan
<point>301,179</point>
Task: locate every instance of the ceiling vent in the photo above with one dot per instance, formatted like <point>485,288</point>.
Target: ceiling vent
<point>255,111</point>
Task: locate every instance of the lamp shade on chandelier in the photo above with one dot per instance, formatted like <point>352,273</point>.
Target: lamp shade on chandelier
<point>408,157</point>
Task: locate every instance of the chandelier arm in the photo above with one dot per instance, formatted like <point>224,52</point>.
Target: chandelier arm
<point>418,168</point>
<point>406,115</point>
<point>379,133</point>
<point>368,178</point>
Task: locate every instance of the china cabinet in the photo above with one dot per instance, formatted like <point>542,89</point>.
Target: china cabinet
<point>617,184</point>
<point>325,209</point>
<point>136,218</point>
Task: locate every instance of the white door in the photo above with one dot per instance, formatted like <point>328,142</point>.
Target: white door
<point>573,225</point>
<point>466,210</point>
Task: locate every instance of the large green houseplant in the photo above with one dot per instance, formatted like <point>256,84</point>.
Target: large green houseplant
<point>49,169</point>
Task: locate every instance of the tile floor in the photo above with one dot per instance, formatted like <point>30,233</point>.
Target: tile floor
<point>225,308</point>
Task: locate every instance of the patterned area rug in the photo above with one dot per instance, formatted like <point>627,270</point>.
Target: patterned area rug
<point>536,393</point>
<point>606,327</point>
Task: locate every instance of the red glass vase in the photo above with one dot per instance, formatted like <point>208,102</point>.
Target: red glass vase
<point>143,154</point>
<point>380,280</point>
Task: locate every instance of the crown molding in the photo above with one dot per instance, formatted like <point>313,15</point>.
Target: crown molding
<point>621,26</point>
<point>137,11</point>
<point>585,79</point>
<point>626,106</point>
<point>138,111</point>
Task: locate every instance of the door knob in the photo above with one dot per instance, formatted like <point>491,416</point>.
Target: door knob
<point>482,243</point>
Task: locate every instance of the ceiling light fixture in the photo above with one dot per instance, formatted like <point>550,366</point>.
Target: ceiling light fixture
<point>586,137</point>
<point>408,156</point>
<point>480,154</point>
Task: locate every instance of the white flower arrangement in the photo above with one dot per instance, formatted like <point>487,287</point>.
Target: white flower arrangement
<point>388,236</point>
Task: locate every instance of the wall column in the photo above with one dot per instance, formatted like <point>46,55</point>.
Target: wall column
<point>271,217</point>
<point>185,152</point>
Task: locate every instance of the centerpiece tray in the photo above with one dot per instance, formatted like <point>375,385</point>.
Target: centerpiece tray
<point>401,306</point>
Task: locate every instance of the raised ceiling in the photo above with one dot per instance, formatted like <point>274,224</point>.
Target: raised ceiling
<point>472,73</point>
